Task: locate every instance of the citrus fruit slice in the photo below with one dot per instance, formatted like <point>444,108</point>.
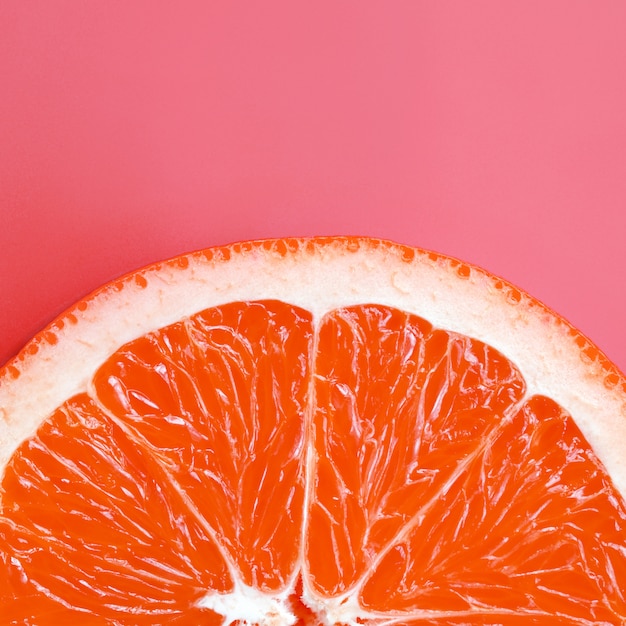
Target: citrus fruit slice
<point>323,431</point>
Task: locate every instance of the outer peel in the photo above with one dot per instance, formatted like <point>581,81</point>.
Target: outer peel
<point>319,275</point>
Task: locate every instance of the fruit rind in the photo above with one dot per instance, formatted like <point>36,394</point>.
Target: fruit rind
<point>319,275</point>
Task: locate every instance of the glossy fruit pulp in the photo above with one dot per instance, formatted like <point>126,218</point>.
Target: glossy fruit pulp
<point>373,457</point>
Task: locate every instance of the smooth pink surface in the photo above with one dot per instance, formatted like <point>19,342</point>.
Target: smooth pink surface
<point>492,131</point>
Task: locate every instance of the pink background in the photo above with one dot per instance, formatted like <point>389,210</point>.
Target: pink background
<point>492,131</point>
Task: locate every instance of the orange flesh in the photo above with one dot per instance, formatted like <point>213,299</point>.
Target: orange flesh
<point>375,456</point>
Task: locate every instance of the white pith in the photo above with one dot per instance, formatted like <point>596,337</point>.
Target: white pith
<point>248,605</point>
<point>318,278</point>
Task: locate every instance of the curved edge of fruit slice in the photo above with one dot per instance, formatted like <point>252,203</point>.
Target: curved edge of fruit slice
<point>321,274</point>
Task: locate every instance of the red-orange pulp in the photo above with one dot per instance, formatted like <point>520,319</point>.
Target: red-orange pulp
<point>373,456</point>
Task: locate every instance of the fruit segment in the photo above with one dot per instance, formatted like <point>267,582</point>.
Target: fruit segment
<point>219,401</point>
<point>400,407</point>
<point>88,522</point>
<point>526,528</point>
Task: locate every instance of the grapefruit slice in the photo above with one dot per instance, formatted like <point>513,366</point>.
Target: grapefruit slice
<point>312,431</point>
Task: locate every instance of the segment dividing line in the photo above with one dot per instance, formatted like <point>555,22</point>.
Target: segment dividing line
<point>507,416</point>
<point>173,483</point>
<point>309,456</point>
